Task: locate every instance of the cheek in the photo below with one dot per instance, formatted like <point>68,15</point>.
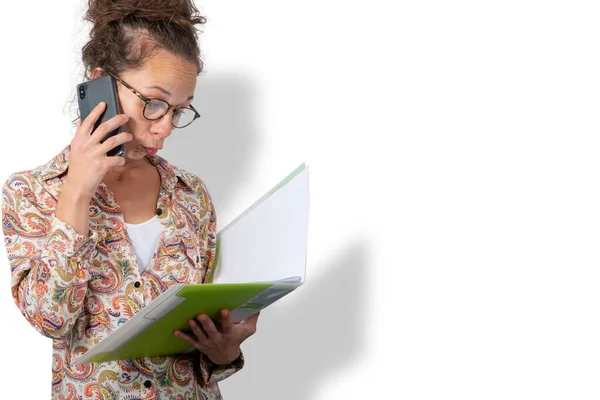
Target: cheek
<point>131,105</point>
<point>137,124</point>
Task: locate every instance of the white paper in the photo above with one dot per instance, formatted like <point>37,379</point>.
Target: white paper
<point>269,242</point>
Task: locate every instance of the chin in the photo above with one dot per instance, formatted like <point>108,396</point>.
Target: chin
<point>134,154</point>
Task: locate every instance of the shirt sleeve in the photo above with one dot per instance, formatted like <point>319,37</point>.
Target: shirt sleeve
<point>213,373</point>
<point>211,244</point>
<point>49,261</point>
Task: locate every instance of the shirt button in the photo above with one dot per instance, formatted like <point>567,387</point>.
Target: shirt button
<point>137,284</point>
<point>148,384</point>
<point>159,211</point>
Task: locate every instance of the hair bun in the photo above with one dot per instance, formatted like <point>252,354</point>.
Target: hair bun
<point>124,33</point>
<point>103,12</point>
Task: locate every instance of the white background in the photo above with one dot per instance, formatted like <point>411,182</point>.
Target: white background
<point>454,158</point>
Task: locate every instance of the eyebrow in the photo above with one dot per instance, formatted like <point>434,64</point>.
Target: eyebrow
<point>166,91</point>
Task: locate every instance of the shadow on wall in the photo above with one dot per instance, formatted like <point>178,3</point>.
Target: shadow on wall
<point>314,333</point>
<point>309,336</point>
<point>221,145</point>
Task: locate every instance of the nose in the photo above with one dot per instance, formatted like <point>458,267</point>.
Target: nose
<point>163,126</point>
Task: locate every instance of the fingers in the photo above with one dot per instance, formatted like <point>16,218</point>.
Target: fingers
<point>206,334</point>
<point>88,124</point>
<point>209,327</point>
<point>226,321</point>
<point>250,324</point>
<point>115,161</point>
<point>88,160</point>
<point>188,338</point>
<point>114,141</point>
<point>252,320</point>
<point>106,127</point>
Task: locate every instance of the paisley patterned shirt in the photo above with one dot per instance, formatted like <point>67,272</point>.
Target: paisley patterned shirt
<point>77,289</point>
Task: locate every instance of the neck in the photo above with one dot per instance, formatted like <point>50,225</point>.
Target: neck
<point>124,172</point>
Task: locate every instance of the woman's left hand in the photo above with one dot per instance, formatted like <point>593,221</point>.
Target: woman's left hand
<point>220,342</point>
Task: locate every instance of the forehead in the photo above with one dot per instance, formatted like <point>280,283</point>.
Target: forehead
<point>167,71</point>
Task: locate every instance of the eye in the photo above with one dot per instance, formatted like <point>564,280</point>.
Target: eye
<point>155,109</point>
<point>156,105</point>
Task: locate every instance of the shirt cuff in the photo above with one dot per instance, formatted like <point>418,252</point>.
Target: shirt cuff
<point>212,372</point>
<point>62,238</point>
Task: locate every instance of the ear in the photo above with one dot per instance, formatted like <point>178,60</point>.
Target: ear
<point>97,72</point>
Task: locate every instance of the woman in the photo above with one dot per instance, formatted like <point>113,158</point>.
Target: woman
<point>92,239</point>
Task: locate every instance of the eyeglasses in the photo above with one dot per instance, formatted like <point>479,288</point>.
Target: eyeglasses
<point>158,108</point>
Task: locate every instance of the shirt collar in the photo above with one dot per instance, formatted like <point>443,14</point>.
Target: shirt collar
<point>169,174</point>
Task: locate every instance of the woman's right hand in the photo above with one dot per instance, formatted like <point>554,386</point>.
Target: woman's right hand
<point>88,162</point>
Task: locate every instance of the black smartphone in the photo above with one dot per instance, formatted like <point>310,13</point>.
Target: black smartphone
<point>90,94</point>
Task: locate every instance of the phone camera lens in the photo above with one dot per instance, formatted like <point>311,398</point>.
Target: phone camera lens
<point>82,92</point>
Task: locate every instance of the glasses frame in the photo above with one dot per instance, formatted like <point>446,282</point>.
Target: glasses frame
<point>147,101</point>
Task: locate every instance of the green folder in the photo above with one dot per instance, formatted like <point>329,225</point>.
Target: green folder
<point>261,257</point>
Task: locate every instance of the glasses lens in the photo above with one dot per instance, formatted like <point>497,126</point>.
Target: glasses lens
<point>183,117</point>
<point>155,109</point>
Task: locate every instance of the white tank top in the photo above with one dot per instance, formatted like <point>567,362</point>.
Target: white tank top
<point>145,237</point>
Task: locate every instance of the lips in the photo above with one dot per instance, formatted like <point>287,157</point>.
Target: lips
<point>151,150</point>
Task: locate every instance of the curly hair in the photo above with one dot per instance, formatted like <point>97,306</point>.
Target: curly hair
<point>125,33</point>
